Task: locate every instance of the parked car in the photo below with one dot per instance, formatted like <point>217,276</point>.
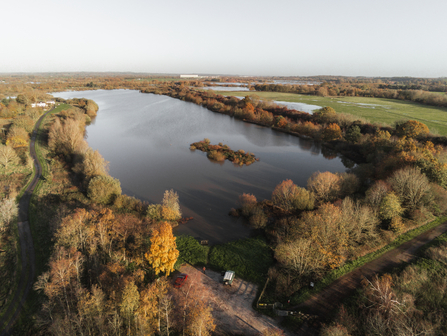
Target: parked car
<point>180,280</point>
<point>228,277</point>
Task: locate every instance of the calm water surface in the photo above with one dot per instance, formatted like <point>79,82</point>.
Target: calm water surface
<point>146,139</point>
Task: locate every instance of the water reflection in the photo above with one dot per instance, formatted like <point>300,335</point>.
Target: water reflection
<point>146,139</point>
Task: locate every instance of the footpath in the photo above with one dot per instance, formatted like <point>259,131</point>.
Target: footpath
<point>26,243</point>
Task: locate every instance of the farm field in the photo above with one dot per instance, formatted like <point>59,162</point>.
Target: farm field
<point>376,110</point>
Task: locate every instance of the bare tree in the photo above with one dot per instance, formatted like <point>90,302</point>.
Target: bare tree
<point>8,156</point>
<point>410,186</point>
<point>8,211</point>
<point>325,186</point>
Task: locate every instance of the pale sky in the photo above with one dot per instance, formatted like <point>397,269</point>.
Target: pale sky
<point>244,37</point>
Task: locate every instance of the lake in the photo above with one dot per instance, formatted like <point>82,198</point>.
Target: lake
<point>146,139</point>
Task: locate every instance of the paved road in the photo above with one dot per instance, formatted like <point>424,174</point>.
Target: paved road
<point>323,303</point>
<point>26,245</point>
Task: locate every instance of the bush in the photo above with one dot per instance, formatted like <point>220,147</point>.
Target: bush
<point>250,258</point>
<point>247,202</point>
<point>191,251</point>
<point>258,219</point>
<point>103,189</point>
<point>325,115</point>
<point>332,132</point>
<point>154,211</point>
<point>353,134</point>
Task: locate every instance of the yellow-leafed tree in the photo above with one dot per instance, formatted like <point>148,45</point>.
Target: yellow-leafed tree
<point>163,252</point>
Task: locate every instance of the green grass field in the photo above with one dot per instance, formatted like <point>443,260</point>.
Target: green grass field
<point>378,110</point>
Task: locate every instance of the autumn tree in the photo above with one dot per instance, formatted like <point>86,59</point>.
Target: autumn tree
<point>201,322</point>
<point>353,134</point>
<point>129,303</point>
<point>412,129</point>
<point>103,189</point>
<point>149,313</point>
<point>289,196</point>
<point>411,186</point>
<point>8,211</point>
<point>91,164</point>
<point>376,192</point>
<point>349,184</point>
<point>248,203</point>
<point>328,233</point>
<point>324,115</point>
<point>66,137</point>
<point>390,206</point>
<point>332,132</point>
<point>170,209</point>
<point>325,186</point>
<point>163,251</point>
<point>17,137</point>
<point>359,221</point>
<point>299,255</point>
<point>8,156</point>
<point>258,218</point>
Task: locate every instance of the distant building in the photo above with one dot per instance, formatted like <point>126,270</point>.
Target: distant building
<point>41,104</point>
<point>38,105</point>
<point>189,76</point>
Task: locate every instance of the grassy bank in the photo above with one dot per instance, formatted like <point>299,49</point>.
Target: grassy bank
<point>378,110</point>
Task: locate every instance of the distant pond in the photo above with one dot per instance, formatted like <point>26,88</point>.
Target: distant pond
<point>146,139</point>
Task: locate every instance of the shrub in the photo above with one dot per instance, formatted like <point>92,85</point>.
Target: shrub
<point>353,134</point>
<point>324,115</point>
<point>216,156</point>
<point>332,132</point>
<point>190,251</point>
<point>258,219</point>
<point>154,211</point>
<point>247,202</point>
<point>412,129</point>
<point>390,206</point>
<point>103,189</point>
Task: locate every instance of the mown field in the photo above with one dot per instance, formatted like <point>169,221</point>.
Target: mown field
<point>378,110</point>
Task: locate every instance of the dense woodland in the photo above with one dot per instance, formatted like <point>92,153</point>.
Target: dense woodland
<point>104,257</point>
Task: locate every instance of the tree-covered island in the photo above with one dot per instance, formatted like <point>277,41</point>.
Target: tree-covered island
<point>222,152</point>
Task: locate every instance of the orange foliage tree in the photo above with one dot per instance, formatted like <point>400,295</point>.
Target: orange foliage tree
<point>332,132</point>
<point>163,251</point>
<point>412,129</point>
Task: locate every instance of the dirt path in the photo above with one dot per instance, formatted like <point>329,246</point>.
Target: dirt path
<point>26,244</point>
<point>325,302</point>
<point>232,305</point>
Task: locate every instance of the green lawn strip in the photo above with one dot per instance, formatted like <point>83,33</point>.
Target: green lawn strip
<point>249,258</point>
<point>305,294</point>
<point>381,110</point>
<point>40,264</point>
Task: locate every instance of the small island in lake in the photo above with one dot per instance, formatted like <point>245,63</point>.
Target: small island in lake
<point>222,152</point>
